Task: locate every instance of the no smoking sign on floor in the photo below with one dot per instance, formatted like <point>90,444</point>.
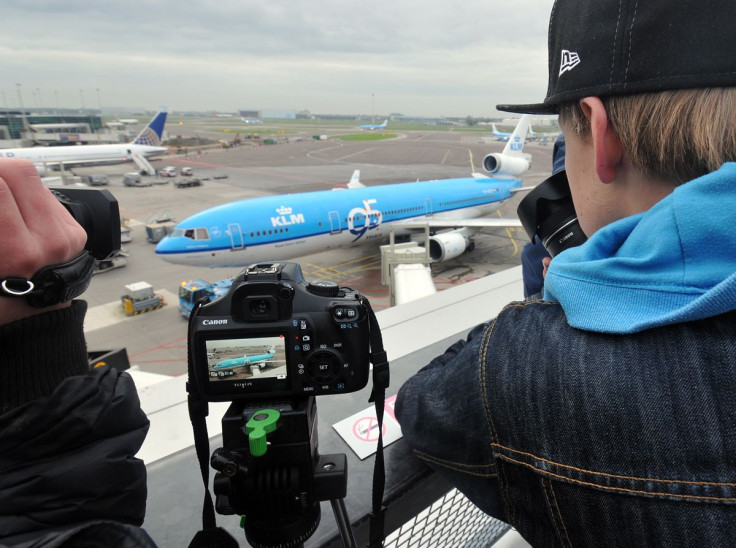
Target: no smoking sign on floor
<point>360,431</point>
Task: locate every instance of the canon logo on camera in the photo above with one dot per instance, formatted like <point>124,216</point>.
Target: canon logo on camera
<point>214,322</point>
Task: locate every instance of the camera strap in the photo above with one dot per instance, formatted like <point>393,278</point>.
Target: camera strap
<point>381,378</point>
<point>210,535</point>
<point>53,284</point>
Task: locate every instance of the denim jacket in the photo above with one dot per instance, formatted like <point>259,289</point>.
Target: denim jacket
<point>579,438</point>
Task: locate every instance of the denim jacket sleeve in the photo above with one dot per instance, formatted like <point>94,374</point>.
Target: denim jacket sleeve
<point>440,410</point>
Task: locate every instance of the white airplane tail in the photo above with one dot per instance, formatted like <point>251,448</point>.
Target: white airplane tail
<point>515,146</point>
<point>355,180</point>
<point>513,161</point>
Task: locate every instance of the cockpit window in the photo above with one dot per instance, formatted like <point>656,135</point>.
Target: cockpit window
<point>191,233</point>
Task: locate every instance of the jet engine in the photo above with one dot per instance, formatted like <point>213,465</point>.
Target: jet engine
<point>448,245</point>
<point>503,164</point>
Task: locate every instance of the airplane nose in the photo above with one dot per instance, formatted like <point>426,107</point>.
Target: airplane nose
<point>167,248</point>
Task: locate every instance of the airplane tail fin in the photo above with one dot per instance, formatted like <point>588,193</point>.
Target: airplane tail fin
<point>515,144</point>
<point>385,123</point>
<point>355,180</point>
<point>152,134</point>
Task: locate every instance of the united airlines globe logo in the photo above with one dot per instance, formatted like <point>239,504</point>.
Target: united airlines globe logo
<point>148,137</point>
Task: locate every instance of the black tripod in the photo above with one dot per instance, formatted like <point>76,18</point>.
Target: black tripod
<point>270,472</point>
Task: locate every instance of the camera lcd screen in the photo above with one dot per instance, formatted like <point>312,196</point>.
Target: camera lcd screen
<point>247,360</point>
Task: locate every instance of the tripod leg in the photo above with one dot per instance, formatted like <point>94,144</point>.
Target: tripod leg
<point>343,523</point>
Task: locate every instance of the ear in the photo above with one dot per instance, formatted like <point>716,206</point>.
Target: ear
<point>608,151</point>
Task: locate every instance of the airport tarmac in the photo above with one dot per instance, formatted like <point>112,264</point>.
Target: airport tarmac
<point>156,341</point>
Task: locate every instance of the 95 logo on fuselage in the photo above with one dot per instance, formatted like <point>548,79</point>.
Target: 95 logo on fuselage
<point>362,219</point>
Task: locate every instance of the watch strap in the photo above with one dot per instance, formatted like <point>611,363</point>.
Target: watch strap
<point>52,284</point>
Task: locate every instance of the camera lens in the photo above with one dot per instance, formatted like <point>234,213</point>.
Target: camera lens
<point>548,213</point>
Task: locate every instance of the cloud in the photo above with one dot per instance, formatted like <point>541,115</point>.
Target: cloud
<point>448,57</point>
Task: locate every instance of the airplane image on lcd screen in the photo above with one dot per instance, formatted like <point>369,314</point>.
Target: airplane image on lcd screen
<point>247,358</point>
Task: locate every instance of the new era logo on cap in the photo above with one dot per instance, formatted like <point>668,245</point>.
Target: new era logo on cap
<point>570,59</point>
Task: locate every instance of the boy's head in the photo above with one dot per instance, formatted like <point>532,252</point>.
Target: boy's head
<point>644,93</point>
<point>675,135</point>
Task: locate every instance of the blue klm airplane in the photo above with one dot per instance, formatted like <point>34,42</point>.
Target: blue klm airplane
<point>375,126</point>
<point>282,227</point>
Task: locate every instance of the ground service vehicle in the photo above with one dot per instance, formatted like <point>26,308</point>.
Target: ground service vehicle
<point>140,298</point>
<point>135,179</point>
<point>168,171</point>
<point>187,171</point>
<point>193,181</point>
<point>193,290</point>
<point>98,180</point>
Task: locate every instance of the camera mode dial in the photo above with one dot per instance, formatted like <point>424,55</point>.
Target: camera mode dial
<point>323,288</point>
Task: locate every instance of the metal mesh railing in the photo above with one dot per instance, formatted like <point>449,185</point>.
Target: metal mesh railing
<point>452,521</point>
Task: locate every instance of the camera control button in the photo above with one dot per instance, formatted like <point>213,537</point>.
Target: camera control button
<point>345,313</point>
<point>323,366</point>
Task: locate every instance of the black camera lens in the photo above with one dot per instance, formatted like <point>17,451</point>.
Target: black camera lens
<point>548,213</point>
<point>98,213</point>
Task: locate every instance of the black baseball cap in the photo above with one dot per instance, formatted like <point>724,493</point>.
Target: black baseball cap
<point>616,47</point>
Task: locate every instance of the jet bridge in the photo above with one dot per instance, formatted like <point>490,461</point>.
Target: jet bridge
<point>418,501</point>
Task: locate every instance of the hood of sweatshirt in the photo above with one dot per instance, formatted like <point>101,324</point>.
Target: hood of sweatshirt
<point>673,263</point>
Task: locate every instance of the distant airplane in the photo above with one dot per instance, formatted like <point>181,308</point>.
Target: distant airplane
<point>127,121</point>
<point>252,120</point>
<point>281,227</point>
<point>146,144</point>
<point>532,135</point>
<point>500,135</point>
<point>375,126</point>
<point>258,359</point>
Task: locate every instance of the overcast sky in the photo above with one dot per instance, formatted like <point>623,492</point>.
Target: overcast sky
<point>430,57</point>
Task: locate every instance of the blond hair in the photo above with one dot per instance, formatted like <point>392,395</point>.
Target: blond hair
<point>674,135</point>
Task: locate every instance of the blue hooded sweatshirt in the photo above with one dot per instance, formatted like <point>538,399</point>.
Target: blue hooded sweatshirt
<point>674,263</point>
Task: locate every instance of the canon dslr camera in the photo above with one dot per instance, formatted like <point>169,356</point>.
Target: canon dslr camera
<point>275,335</point>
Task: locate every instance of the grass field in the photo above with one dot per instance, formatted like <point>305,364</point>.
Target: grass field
<point>364,136</point>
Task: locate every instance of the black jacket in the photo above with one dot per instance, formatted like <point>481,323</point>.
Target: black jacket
<point>68,439</point>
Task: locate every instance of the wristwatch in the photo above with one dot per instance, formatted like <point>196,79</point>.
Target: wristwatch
<point>52,284</point>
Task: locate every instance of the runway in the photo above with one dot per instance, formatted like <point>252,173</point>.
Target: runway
<point>156,341</point>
